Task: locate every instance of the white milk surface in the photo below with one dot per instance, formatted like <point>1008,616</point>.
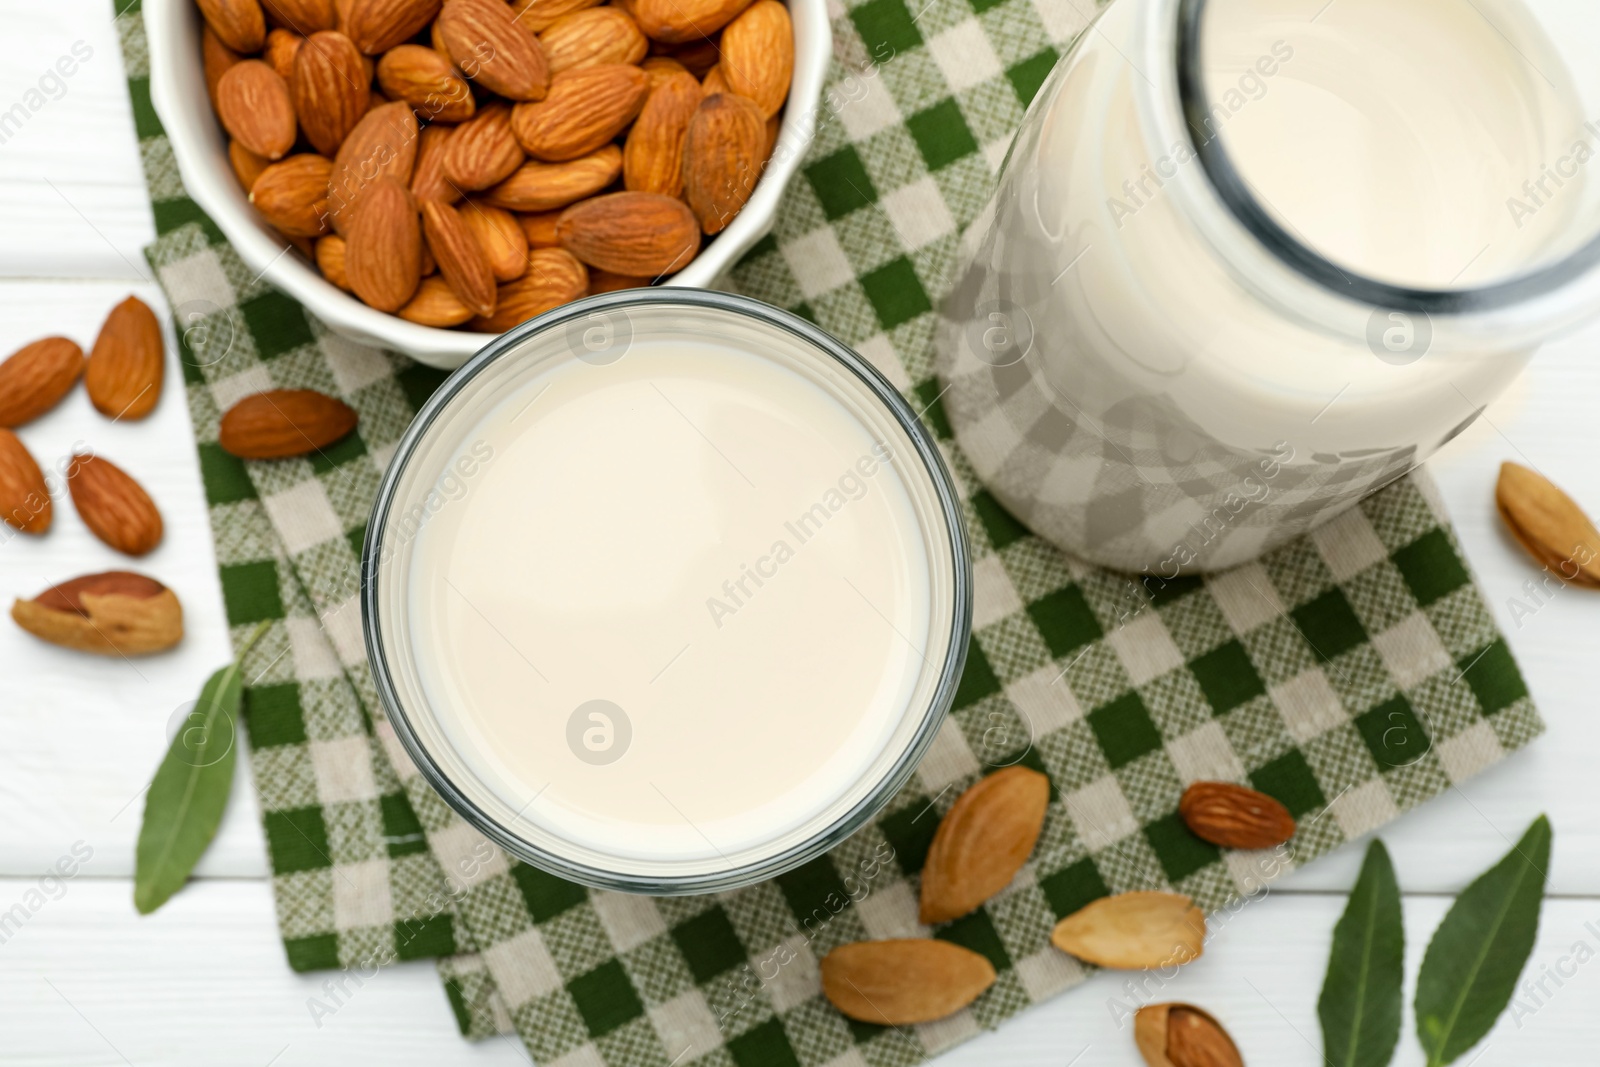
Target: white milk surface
<point>712,544</point>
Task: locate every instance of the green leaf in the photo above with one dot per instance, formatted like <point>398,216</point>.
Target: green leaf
<point>1361,1005</point>
<point>1472,963</point>
<point>190,788</point>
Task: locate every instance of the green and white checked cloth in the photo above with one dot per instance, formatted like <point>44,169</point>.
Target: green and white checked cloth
<point>1352,674</point>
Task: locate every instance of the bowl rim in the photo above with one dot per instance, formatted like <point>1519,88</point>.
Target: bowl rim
<point>177,91</point>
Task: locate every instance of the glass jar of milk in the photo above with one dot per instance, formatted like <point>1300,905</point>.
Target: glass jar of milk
<point>1250,260</point>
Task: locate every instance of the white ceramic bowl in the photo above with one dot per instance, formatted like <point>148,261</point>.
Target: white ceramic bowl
<point>177,88</point>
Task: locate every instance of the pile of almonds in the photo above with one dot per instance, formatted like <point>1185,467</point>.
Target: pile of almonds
<point>476,162</point>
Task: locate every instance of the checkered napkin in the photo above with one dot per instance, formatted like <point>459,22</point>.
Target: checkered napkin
<point>1352,674</point>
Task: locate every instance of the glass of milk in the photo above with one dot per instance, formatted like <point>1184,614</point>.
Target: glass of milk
<point>1250,260</point>
<point>666,591</point>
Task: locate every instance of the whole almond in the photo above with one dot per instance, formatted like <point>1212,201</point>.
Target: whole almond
<point>490,47</point>
<point>425,80</point>
<point>660,68</point>
<point>1548,524</point>
<point>652,160</point>
<point>902,982</point>
<point>282,47</point>
<point>538,186</point>
<point>1182,1035</point>
<point>293,195</point>
<point>680,21</point>
<point>427,176</point>
<point>538,15</point>
<point>586,108</point>
<point>435,304</point>
<point>500,237</point>
<point>378,25</point>
<point>284,422</point>
<point>383,254</point>
<point>642,234</point>
<point>714,82</point>
<point>382,145</point>
<point>482,151</point>
<point>116,508</point>
<point>115,613</point>
<point>461,258</point>
<point>982,842</point>
<point>539,227</point>
<point>125,368</point>
<point>722,157</point>
<point>758,55</point>
<point>329,255</point>
<point>35,377</point>
<point>239,24</point>
<point>215,59</point>
<point>553,277</point>
<point>254,107</point>
<point>1134,930</point>
<point>604,281</point>
<point>330,89</point>
<point>24,496</point>
<point>593,36</point>
<point>1235,817</point>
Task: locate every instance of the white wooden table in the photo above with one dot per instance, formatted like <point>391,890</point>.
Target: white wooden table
<point>84,980</point>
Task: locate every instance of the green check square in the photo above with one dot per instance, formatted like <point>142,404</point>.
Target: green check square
<point>980,6</point>
<point>1124,729</point>
<point>424,938</point>
<point>976,931</point>
<point>896,292</point>
<point>909,831</point>
<point>886,27</point>
<point>273,716</point>
<point>1181,853</point>
<point>941,134</point>
<point>1329,625</point>
<point>1074,888</point>
<point>841,183</point>
<point>1002,527</point>
<point>1430,567</point>
<point>1065,620</point>
<point>1290,781</point>
<point>1027,77</point>
<point>709,944</point>
<point>1227,677</point>
<point>1393,733</point>
<point>250,592</point>
<point>169,215</point>
<point>317,953</point>
<point>402,830</point>
<point>930,397</point>
<point>1164,591</point>
<point>1494,678</point>
<point>276,322</point>
<point>978,679</point>
<point>418,382</point>
<point>605,998</point>
<point>224,477</point>
<point>350,446</point>
<point>145,122</point>
<point>813,890</point>
<point>297,840</point>
<point>546,895</point>
<point>763,1046</point>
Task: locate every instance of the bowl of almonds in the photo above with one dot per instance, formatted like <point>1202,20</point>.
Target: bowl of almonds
<point>426,174</point>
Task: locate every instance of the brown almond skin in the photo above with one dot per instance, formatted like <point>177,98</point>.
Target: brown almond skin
<point>282,47</point>
<point>903,982</point>
<point>425,80</point>
<point>35,377</point>
<point>660,68</point>
<point>24,495</point>
<point>427,175</point>
<point>982,842</point>
<point>652,160</point>
<point>125,369</point>
<point>329,254</point>
<point>280,423</point>
<point>1132,931</point>
<point>539,186</point>
<point>596,35</point>
<point>586,108</point>
<point>378,25</point>
<point>330,89</point>
<point>239,24</point>
<point>1235,817</point>
<point>698,55</point>
<point>461,258</point>
<point>115,613</point>
<point>435,304</point>
<point>383,254</point>
<point>482,151</point>
<point>501,238</point>
<point>604,281</point>
<point>293,195</point>
<point>490,47</point>
<point>382,145</point>
<point>1548,524</point>
<point>758,55</point>
<point>722,157</point>
<point>116,508</point>
<point>714,82</point>
<point>301,16</point>
<point>539,227</point>
<point>540,15</point>
<point>1182,1035</point>
<point>215,59</point>
<point>681,21</point>
<point>642,234</point>
<point>247,166</point>
<point>254,107</point>
<point>553,277</point>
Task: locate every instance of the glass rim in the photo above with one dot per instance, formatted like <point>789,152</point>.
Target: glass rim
<point>933,715</point>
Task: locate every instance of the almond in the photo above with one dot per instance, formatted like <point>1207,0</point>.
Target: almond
<point>330,89</point>
<point>329,255</point>
<point>652,161</point>
<point>491,48</point>
<point>461,258</point>
<point>538,15</point>
<point>284,422</point>
<point>113,613</point>
<point>483,151</point>
<point>435,304</point>
<point>247,166</point>
<point>302,16</point>
<point>215,59</point>
<point>293,195</point>
<point>587,38</point>
<point>1182,1035</point>
<point>586,108</point>
<point>1134,930</point>
<point>714,82</point>
<point>24,496</point>
<point>254,107</point>
<point>282,47</point>
<point>698,55</point>
<point>540,228</point>
<point>603,281</point>
<point>378,25</point>
<point>722,157</point>
<point>501,238</point>
<point>982,842</point>
<point>680,21</point>
<point>643,234</point>
<point>427,176</point>
<point>552,278</point>
<point>1548,524</point>
<point>116,508</point>
<point>425,80</point>
<point>758,55</point>
<point>124,372</point>
<point>383,256</point>
<point>901,982</point>
<point>35,377</point>
<point>382,145</point>
<point>239,24</point>
<point>1235,817</point>
<point>660,68</point>
<point>548,186</point>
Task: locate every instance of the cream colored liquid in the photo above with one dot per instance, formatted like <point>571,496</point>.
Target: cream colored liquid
<point>706,540</point>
